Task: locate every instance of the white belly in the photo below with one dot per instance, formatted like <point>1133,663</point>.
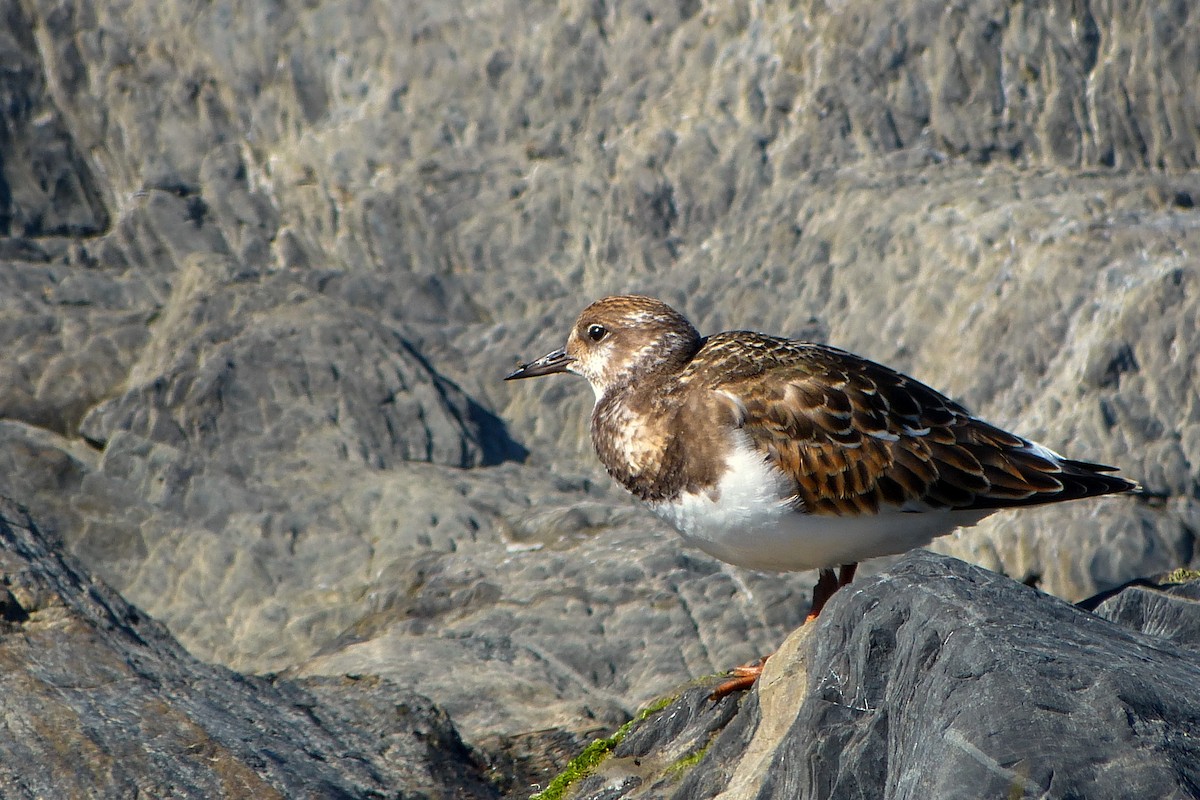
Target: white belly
<point>751,525</point>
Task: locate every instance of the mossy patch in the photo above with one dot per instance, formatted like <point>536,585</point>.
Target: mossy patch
<point>595,753</point>
<point>686,762</point>
<point>1181,575</point>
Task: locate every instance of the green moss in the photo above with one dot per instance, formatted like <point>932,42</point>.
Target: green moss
<point>686,762</point>
<point>1182,575</point>
<point>582,764</point>
<point>595,753</point>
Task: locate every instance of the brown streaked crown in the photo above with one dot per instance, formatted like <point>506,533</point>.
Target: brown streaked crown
<point>618,339</point>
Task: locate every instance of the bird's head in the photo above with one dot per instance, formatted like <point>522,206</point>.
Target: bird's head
<point>618,340</point>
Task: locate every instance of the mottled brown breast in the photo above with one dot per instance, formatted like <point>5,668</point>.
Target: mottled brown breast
<point>658,441</point>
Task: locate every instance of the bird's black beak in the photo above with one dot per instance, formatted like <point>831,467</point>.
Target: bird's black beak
<point>558,361</point>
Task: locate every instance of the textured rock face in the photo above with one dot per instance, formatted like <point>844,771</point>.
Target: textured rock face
<point>100,701</point>
<point>244,364</point>
<point>262,267</point>
<point>938,679</point>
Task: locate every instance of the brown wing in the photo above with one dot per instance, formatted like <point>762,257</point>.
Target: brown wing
<point>855,435</point>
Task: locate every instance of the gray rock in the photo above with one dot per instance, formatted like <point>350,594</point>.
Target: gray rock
<point>591,628</point>
<point>241,364</point>
<point>46,185</point>
<point>935,679</point>
<point>1168,612</point>
<point>101,701</point>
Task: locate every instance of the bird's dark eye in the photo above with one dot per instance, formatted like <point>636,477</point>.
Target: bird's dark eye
<point>596,332</point>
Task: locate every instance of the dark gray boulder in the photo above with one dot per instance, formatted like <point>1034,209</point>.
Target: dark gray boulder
<point>98,700</point>
<point>939,679</point>
<point>1167,612</point>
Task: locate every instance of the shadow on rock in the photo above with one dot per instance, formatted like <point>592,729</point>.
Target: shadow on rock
<point>492,437</point>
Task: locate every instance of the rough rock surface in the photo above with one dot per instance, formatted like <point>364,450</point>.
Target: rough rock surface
<point>262,267</point>
<point>939,679</point>
<point>98,700</point>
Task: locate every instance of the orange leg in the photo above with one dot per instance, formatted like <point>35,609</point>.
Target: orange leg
<point>827,584</point>
<point>743,677</point>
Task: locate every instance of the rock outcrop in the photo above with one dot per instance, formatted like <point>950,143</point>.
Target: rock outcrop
<point>99,700</point>
<point>939,679</point>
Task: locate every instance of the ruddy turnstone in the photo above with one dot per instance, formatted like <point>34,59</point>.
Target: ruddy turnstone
<point>775,454</point>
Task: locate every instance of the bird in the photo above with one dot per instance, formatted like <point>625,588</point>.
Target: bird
<point>778,454</point>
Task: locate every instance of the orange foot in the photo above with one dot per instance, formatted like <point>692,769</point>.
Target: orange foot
<point>742,677</point>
